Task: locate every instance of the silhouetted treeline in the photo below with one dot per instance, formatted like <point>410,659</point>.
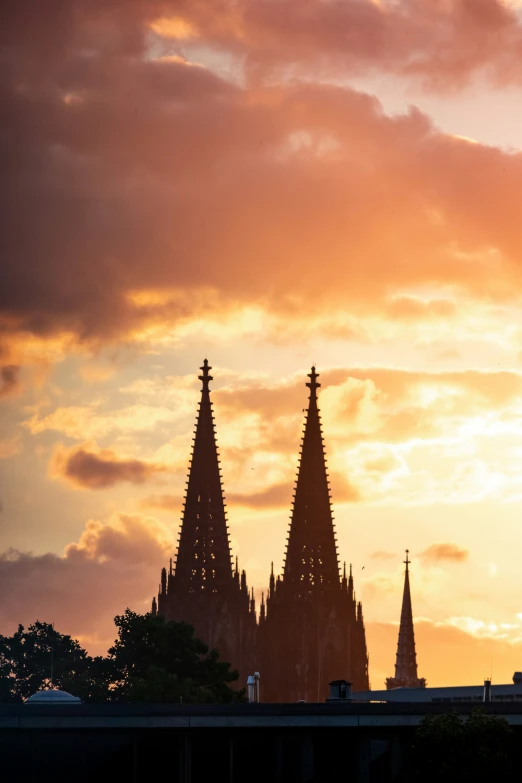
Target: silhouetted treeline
<point>449,748</point>
<point>152,660</point>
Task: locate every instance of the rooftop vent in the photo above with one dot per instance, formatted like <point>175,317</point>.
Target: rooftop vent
<point>340,690</point>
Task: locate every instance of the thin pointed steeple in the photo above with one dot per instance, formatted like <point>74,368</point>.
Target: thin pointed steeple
<point>406,661</point>
<point>204,559</point>
<point>311,564</point>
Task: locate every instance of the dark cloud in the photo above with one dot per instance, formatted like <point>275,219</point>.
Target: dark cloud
<point>128,173</point>
<point>437,553</point>
<point>442,43</point>
<point>112,566</point>
<point>89,470</point>
<point>9,379</point>
<point>275,496</point>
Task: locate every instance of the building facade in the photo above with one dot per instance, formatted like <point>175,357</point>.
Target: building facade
<point>311,629</point>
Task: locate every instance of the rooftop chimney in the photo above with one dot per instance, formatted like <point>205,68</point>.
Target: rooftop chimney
<point>340,690</point>
<point>253,688</point>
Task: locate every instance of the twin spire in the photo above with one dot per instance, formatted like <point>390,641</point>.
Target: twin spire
<point>204,561</point>
<point>311,562</point>
<point>310,597</point>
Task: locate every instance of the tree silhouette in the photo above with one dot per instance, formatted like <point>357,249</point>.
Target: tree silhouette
<point>158,660</point>
<point>38,657</point>
<point>152,660</point>
<point>449,749</point>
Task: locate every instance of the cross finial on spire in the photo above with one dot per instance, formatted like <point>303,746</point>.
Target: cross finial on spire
<point>313,385</point>
<point>407,561</point>
<point>206,377</point>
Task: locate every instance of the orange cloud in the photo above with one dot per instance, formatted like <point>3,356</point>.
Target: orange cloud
<point>89,470</point>
<point>382,555</point>
<point>113,565</point>
<point>437,553</point>
<point>9,379</point>
<point>164,502</point>
<point>275,496</point>
<point>10,446</point>
<point>316,174</point>
<point>444,44</point>
<point>446,655</point>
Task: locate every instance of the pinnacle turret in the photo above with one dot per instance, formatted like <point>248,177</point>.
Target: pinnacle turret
<point>406,661</point>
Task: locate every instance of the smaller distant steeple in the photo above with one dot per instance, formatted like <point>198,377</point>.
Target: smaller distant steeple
<point>406,662</point>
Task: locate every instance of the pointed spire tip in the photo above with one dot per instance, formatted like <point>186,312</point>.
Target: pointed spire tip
<point>206,377</point>
<point>313,385</point>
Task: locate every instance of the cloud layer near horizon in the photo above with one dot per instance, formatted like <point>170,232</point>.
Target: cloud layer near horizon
<point>113,565</point>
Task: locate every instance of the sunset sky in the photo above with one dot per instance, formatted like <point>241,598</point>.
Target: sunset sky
<point>268,184</point>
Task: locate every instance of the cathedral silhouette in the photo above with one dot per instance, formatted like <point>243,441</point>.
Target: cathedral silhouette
<point>310,630</point>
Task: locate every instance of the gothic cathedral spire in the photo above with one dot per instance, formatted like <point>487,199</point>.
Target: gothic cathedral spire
<point>312,632</point>
<point>202,590</point>
<point>311,563</point>
<point>406,662</point>
<point>204,561</point>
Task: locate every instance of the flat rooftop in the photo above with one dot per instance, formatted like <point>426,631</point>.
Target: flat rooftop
<point>92,716</point>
